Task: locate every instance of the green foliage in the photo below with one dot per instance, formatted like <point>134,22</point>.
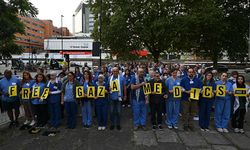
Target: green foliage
<point>204,27</point>
<point>10,24</point>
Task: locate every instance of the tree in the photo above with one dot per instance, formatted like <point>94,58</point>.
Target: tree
<point>212,27</point>
<point>10,24</point>
<point>134,25</point>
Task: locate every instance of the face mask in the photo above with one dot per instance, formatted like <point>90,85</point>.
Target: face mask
<point>165,77</point>
<point>178,74</point>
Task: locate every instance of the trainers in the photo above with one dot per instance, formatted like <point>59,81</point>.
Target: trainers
<point>196,118</point>
<point>207,130</point>
<point>129,106</point>
<point>144,128</point>
<point>220,130</point>
<point>225,130</point>
<point>241,131</point>
<point>160,127</point>
<point>154,127</point>
<point>32,123</point>
<point>118,127</point>
<point>136,128</point>
<point>123,106</point>
<point>236,130</point>
<point>175,127</point>
<point>191,128</point>
<point>185,128</point>
<point>202,129</point>
<point>26,122</point>
<point>11,124</point>
<point>112,127</point>
<point>103,128</point>
<point>170,127</point>
<point>99,128</point>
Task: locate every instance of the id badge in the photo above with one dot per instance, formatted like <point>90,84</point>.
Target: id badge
<point>191,82</point>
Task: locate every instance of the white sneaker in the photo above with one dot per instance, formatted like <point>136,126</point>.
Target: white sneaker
<point>225,130</point>
<point>129,106</point>
<point>170,127</point>
<point>220,130</point>
<point>196,118</point>
<point>103,128</point>
<point>241,131</point>
<point>236,130</point>
<point>26,122</point>
<point>207,130</point>
<point>33,122</point>
<point>99,128</point>
<point>175,127</point>
<point>202,129</point>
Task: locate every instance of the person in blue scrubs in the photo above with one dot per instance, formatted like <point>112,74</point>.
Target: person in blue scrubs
<point>40,107</point>
<point>27,82</point>
<point>127,76</point>
<point>223,105</point>
<point>54,100</point>
<point>116,97</point>
<point>205,104</point>
<point>78,74</point>
<point>172,104</point>
<point>10,102</point>
<point>86,102</point>
<point>139,100</point>
<point>101,104</point>
<point>68,99</point>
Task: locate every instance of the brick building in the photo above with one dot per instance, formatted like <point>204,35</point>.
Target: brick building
<point>36,31</point>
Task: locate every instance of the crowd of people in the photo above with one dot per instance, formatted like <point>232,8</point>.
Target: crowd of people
<point>160,90</point>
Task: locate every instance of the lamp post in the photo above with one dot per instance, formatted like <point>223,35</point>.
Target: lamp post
<point>62,34</point>
<point>100,31</point>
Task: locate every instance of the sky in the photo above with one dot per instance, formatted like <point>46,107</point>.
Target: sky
<point>53,9</point>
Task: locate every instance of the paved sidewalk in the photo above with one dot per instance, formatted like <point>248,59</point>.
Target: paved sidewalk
<point>126,139</point>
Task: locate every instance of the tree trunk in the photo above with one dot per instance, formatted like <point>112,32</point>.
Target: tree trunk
<point>215,62</point>
<point>156,56</point>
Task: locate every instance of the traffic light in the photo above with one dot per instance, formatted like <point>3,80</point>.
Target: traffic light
<point>66,56</point>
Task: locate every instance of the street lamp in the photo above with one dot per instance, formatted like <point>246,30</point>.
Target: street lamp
<point>62,33</point>
<point>100,31</point>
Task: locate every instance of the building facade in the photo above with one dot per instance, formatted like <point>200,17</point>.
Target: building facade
<point>83,21</point>
<point>35,32</point>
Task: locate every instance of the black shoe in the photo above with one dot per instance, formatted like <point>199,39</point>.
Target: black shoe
<point>16,123</point>
<point>112,127</point>
<point>144,128</point>
<point>118,127</point>
<point>87,126</point>
<point>191,128</point>
<point>12,124</point>
<point>160,127</point>
<point>185,128</point>
<point>154,127</point>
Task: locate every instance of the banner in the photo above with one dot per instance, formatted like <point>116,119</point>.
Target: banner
<point>25,93</point>
<point>114,86</point>
<point>158,88</point>
<point>36,92</point>
<point>221,90</point>
<point>177,91</point>
<point>45,93</point>
<point>101,91</point>
<point>240,92</point>
<point>12,91</point>
<point>147,89</point>
<point>207,92</point>
<point>195,93</point>
<point>79,92</point>
<point>91,92</point>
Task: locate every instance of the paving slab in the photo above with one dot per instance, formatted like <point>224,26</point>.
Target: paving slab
<point>193,139</point>
<point>223,147</point>
<point>145,138</point>
<point>215,138</point>
<point>167,136</point>
<point>240,140</point>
